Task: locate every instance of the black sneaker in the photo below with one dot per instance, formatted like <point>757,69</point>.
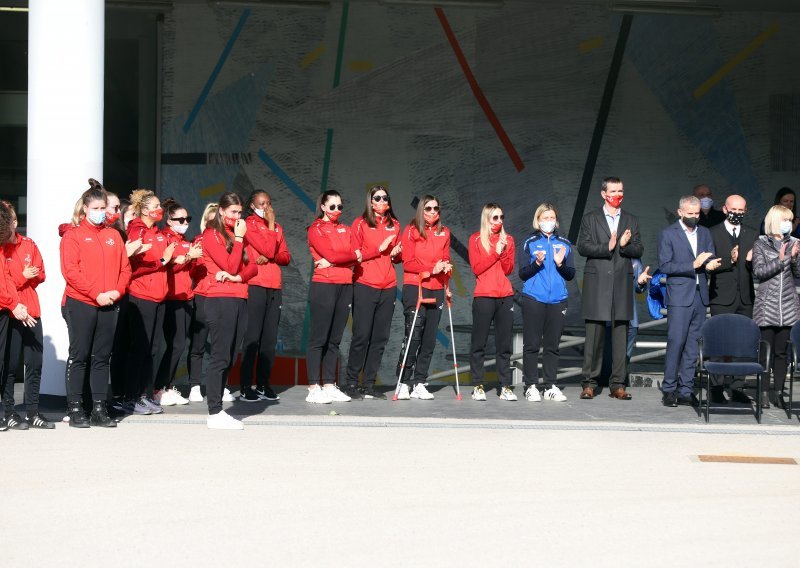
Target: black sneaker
<point>14,422</point>
<point>249,395</point>
<point>369,392</point>
<point>100,415</point>
<point>77,419</point>
<point>39,421</point>
<point>266,393</point>
<point>352,391</point>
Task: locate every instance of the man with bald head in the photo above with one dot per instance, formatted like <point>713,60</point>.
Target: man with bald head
<point>731,286</point>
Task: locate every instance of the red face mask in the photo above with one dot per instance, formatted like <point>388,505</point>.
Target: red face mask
<point>111,219</point>
<point>380,208</point>
<point>497,228</point>
<point>156,214</point>
<point>333,215</point>
<point>230,222</point>
<point>614,200</point>
<point>431,219</point>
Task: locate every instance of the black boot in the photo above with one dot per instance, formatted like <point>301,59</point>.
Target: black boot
<point>100,415</point>
<point>77,419</point>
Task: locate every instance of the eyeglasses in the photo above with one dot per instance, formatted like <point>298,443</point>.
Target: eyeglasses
<point>335,207</point>
<point>432,209</point>
<point>496,218</point>
<point>182,220</point>
<point>379,198</point>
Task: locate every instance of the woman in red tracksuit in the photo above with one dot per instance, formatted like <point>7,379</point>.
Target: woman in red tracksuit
<point>426,255</point>
<point>198,331</point>
<point>96,270</point>
<point>228,271</point>
<point>330,295</point>
<point>376,234</point>
<point>266,246</point>
<point>146,293</point>
<point>491,256</point>
<point>178,302</point>
<point>24,262</point>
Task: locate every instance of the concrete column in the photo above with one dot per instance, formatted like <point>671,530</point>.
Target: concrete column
<point>65,143</point>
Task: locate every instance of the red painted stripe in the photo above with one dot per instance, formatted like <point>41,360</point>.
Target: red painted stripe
<point>476,90</point>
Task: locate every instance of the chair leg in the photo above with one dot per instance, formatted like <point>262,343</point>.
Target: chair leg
<point>791,390</point>
<point>708,395</point>
<point>759,397</point>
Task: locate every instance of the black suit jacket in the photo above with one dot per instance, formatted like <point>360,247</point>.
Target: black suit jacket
<point>608,275</point>
<point>712,219</point>
<point>730,280</point>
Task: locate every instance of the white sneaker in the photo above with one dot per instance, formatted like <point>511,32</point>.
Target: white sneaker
<point>171,397</point>
<point>335,394</point>
<point>195,395</point>
<point>532,394</point>
<point>554,394</point>
<point>227,396</point>
<point>507,394</point>
<point>223,421</point>
<point>317,396</point>
<point>158,397</point>
<point>402,394</point>
<point>478,393</point>
<point>421,392</point>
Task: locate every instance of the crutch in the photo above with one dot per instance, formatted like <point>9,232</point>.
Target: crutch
<point>420,300</point>
<point>448,296</point>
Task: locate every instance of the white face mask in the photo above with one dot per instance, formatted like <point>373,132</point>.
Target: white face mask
<point>786,227</point>
<point>259,212</point>
<point>547,226</point>
<point>181,229</point>
<point>706,203</point>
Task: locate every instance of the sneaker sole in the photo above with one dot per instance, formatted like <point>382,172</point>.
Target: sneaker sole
<point>242,399</point>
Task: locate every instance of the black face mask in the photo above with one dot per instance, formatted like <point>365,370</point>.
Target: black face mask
<point>735,218</point>
<point>690,222</point>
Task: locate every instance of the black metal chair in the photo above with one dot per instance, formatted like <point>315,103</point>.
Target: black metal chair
<point>794,346</point>
<point>738,339</point>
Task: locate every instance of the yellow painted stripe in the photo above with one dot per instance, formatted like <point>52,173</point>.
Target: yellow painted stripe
<point>313,56</point>
<point>736,60</point>
<point>590,44</point>
<point>459,283</point>
<point>747,459</point>
<point>212,190</point>
<point>360,65</point>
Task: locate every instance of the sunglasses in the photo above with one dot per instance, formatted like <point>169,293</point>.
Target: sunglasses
<point>335,207</point>
<point>496,218</point>
<point>379,198</point>
<point>182,220</point>
<point>432,209</point>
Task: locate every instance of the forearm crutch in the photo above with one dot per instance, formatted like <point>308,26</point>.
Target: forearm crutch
<point>420,300</point>
<point>448,297</point>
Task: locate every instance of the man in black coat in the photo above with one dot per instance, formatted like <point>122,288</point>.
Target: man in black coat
<point>709,217</point>
<point>609,239</point>
<point>731,288</point>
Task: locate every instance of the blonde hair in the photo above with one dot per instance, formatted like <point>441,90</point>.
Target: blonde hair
<point>776,214</point>
<point>77,213</point>
<point>211,207</point>
<point>139,199</point>
<point>539,211</point>
<point>486,224</point>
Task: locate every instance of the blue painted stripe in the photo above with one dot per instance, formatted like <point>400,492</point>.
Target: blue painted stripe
<point>284,177</point>
<point>215,73</point>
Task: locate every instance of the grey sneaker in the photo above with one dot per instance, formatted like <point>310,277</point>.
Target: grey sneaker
<point>139,407</point>
<point>152,405</point>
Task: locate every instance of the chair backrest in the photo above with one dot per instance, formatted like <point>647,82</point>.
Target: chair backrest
<point>730,335</point>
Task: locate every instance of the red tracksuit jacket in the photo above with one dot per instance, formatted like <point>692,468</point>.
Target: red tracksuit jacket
<point>9,298</point>
<point>179,276</point>
<point>18,255</point>
<point>93,260</point>
<point>421,255</point>
<point>332,242</point>
<point>148,275</point>
<point>260,241</point>
<point>216,257</point>
<point>376,269</point>
<point>491,269</point>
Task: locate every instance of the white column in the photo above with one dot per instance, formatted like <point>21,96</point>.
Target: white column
<point>65,143</point>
